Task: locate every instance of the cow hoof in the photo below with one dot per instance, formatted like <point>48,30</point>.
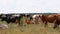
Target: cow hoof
<point>54,27</point>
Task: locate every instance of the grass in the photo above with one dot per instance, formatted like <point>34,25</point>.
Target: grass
<point>29,29</point>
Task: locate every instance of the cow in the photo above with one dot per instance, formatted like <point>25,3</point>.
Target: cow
<point>11,18</point>
<point>48,19</point>
<point>17,17</point>
<point>57,23</point>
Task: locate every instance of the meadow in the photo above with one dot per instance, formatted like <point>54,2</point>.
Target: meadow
<point>29,28</point>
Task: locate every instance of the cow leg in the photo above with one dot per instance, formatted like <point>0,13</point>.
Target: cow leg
<point>45,24</point>
<point>55,25</point>
<point>19,23</point>
<point>7,22</point>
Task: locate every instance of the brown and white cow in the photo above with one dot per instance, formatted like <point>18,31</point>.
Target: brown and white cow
<point>52,18</point>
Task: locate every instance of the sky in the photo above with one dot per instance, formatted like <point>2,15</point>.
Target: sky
<point>29,6</point>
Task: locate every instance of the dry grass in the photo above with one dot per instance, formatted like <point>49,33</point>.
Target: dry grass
<point>29,29</point>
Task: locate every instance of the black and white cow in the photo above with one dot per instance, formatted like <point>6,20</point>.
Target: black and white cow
<point>11,18</point>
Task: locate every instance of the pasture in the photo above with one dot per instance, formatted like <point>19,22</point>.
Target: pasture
<point>29,28</point>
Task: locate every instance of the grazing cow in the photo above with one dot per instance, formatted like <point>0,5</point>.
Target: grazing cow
<point>48,18</point>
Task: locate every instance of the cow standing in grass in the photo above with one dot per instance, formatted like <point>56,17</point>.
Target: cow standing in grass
<point>57,23</point>
<point>11,18</point>
<point>53,18</point>
<point>48,18</point>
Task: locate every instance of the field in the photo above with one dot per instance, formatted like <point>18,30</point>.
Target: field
<point>29,29</point>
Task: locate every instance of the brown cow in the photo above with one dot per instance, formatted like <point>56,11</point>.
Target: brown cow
<point>57,20</point>
<point>48,18</point>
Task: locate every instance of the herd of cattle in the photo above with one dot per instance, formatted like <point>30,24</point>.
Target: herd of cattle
<point>45,18</point>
